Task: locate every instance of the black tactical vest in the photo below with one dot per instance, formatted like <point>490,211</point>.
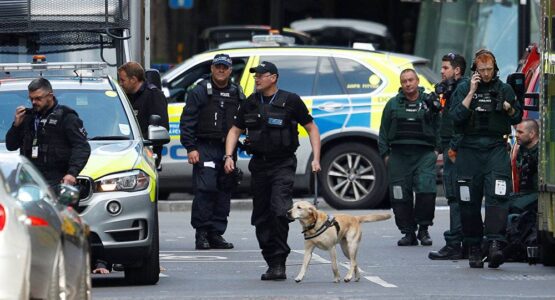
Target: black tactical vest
<point>527,166</point>
<point>271,130</point>
<point>217,115</point>
<point>54,149</point>
<point>410,121</point>
<point>488,117</point>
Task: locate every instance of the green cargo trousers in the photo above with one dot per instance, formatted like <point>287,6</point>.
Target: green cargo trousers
<point>454,235</point>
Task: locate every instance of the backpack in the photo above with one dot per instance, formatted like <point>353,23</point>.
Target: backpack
<point>522,232</point>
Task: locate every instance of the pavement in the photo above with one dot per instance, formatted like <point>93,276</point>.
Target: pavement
<point>182,202</point>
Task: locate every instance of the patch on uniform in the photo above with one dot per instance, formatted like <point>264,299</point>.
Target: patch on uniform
<point>464,193</point>
<point>273,121</point>
<point>52,121</point>
<point>83,131</point>
<point>397,192</point>
<point>500,187</point>
<point>224,94</point>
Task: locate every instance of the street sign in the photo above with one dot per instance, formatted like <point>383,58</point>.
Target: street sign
<point>177,4</point>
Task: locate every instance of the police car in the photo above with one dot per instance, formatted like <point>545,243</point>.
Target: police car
<point>345,90</point>
<point>119,184</point>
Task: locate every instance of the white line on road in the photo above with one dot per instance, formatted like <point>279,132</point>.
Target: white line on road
<point>378,280</point>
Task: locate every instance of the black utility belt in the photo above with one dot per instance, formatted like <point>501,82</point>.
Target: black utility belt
<point>273,156</point>
<point>214,141</point>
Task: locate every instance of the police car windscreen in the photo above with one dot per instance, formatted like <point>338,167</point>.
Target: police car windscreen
<point>101,111</point>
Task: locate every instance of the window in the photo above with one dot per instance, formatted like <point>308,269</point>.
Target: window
<point>296,73</point>
<point>326,81</point>
<point>357,78</point>
<point>184,82</point>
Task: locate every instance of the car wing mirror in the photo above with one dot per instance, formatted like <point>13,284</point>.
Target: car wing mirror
<point>68,195</point>
<point>158,135</point>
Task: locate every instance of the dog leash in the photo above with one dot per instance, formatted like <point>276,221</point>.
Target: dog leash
<point>316,189</point>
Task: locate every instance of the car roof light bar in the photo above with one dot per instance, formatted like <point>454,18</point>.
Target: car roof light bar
<point>45,66</point>
<point>273,39</point>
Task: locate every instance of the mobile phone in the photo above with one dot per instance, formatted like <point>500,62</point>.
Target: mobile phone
<point>28,111</point>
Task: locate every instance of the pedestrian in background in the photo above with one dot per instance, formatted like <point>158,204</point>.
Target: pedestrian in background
<point>483,111</point>
<point>146,99</point>
<point>408,140</point>
<point>207,117</point>
<point>270,117</point>
<point>526,164</point>
<point>453,67</point>
<point>50,135</point>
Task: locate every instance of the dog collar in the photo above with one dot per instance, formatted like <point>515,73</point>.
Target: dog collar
<point>329,223</point>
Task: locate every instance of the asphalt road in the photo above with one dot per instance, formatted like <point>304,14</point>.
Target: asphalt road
<point>388,271</point>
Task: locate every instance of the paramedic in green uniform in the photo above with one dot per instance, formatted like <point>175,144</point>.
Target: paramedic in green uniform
<point>483,111</point>
<point>408,141</point>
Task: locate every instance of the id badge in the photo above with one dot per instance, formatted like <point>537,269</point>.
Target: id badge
<point>35,152</point>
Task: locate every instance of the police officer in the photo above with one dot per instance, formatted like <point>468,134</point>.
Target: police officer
<point>50,135</point>
<point>526,163</point>
<point>208,114</point>
<point>407,141</point>
<point>270,117</point>
<point>453,67</point>
<point>146,99</point>
<point>483,111</point>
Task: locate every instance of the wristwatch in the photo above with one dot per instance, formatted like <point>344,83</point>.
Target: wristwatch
<point>227,156</point>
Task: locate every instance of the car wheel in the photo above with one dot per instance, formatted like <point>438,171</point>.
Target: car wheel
<point>85,285</point>
<point>149,272</point>
<point>57,287</point>
<point>353,176</point>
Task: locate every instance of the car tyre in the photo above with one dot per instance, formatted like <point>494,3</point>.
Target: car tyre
<point>148,273</point>
<point>353,177</point>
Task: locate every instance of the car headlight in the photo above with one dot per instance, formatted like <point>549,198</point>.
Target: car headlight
<point>130,181</point>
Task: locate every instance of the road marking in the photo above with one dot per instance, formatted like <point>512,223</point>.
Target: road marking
<point>378,280</point>
<point>374,279</point>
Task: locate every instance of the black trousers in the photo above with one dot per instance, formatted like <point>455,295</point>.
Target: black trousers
<point>211,205</point>
<point>272,189</point>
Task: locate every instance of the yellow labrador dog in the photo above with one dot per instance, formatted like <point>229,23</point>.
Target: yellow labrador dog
<point>325,231</point>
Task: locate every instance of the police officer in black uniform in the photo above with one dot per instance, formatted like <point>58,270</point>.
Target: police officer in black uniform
<point>50,135</point>
<point>146,99</point>
<point>208,114</point>
<point>270,117</point>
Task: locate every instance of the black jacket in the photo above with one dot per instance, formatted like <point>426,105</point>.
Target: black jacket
<point>147,101</point>
<point>63,147</point>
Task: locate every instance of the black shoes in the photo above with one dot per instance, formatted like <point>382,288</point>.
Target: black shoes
<point>495,255</point>
<point>217,241</point>
<point>408,240</point>
<point>448,252</point>
<point>201,240</point>
<point>424,237</point>
<point>475,256</point>
<point>276,272</point>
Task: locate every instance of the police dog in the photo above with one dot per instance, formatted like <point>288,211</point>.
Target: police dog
<point>325,231</point>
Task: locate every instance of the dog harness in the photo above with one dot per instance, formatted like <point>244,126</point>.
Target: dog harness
<point>329,223</point>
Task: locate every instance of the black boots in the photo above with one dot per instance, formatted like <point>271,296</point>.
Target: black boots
<point>212,240</point>
<point>448,252</point>
<point>217,241</point>
<point>424,237</point>
<point>475,256</point>
<point>275,272</point>
<point>408,240</point>
<point>201,240</point>
<point>495,255</point>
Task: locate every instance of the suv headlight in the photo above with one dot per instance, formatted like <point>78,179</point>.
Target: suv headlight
<point>130,181</point>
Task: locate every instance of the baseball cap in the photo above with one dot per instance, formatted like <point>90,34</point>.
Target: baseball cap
<point>222,59</point>
<point>264,67</point>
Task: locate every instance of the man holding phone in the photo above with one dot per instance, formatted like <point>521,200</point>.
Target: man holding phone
<point>483,111</point>
<point>50,135</point>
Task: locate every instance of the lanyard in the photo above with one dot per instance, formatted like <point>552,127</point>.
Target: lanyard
<point>271,100</point>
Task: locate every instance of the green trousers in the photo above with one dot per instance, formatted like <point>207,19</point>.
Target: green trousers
<point>454,235</point>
